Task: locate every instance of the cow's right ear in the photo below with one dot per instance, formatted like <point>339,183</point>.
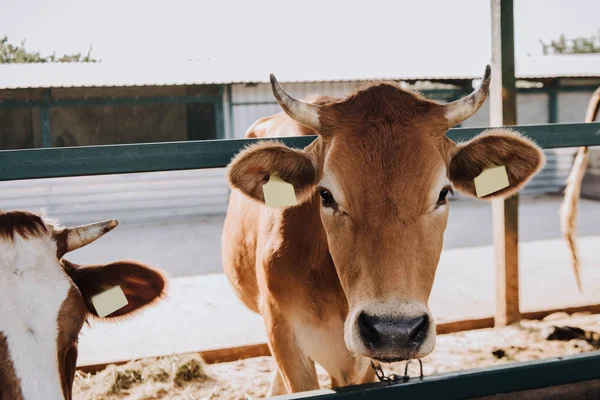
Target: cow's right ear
<point>252,168</point>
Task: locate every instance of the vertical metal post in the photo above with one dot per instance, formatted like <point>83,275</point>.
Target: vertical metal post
<point>45,119</point>
<point>230,106</point>
<point>219,118</point>
<point>553,103</point>
<point>503,111</point>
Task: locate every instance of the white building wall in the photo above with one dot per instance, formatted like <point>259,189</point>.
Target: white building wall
<point>246,114</point>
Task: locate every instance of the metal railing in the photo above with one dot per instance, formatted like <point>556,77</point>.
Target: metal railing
<point>170,156</point>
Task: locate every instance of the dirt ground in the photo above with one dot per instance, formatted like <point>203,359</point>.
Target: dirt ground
<point>187,377</point>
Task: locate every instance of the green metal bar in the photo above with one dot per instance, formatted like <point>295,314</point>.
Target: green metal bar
<point>219,117</point>
<point>115,159</point>
<point>553,103</point>
<point>451,94</point>
<point>129,158</point>
<point>230,110</point>
<point>103,101</point>
<point>45,120</point>
<point>477,382</point>
<point>571,89</point>
<point>446,94</point>
<point>454,93</point>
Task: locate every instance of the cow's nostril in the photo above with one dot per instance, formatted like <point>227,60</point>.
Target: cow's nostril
<point>419,329</point>
<point>367,330</point>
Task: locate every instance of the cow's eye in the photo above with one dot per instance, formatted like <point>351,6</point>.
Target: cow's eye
<point>443,198</point>
<point>326,198</point>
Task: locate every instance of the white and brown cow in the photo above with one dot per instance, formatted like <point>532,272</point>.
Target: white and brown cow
<point>45,300</point>
<point>344,277</point>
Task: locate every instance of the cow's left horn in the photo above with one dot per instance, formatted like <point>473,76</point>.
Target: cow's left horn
<point>80,236</point>
<point>460,110</point>
<point>305,113</point>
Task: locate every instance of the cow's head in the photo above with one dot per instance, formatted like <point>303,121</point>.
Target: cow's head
<point>45,300</point>
<point>384,169</point>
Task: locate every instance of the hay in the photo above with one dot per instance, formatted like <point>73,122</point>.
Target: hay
<point>190,369</point>
<point>143,379</point>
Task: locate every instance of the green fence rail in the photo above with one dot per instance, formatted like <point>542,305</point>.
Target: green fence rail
<point>477,382</point>
<point>149,157</point>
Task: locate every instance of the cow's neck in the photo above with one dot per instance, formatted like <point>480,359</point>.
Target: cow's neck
<point>311,265</point>
<point>10,385</point>
<point>32,290</point>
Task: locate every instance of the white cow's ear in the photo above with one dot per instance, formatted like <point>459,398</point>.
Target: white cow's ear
<point>253,167</point>
<point>141,284</point>
<point>521,157</point>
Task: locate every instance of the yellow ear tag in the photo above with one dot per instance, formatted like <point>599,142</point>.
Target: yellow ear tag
<point>491,180</point>
<point>279,193</point>
<point>109,301</point>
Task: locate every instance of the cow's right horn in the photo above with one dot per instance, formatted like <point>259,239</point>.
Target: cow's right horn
<point>462,109</point>
<point>79,236</point>
<point>304,113</point>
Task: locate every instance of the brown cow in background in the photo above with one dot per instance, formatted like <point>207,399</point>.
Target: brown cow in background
<point>344,277</point>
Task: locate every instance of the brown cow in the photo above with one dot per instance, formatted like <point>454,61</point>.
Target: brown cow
<point>45,299</point>
<point>568,209</point>
<point>344,277</point>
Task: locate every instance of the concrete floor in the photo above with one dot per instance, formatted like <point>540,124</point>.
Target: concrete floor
<point>201,311</point>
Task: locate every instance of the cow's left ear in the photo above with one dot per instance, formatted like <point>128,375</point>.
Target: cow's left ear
<point>142,285</point>
<point>251,169</point>
<point>495,147</point>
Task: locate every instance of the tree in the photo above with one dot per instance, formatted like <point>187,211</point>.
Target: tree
<point>578,45</point>
<point>11,54</point>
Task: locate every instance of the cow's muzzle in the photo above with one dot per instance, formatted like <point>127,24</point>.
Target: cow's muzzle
<point>390,338</point>
<point>390,335</point>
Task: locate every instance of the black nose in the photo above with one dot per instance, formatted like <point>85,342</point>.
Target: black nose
<point>391,334</point>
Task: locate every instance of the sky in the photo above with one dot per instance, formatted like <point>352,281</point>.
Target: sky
<point>305,31</point>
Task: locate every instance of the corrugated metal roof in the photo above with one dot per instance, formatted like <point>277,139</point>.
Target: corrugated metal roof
<point>13,76</point>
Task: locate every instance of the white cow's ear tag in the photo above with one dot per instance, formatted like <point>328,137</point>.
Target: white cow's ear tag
<point>279,193</point>
<point>109,301</point>
<point>491,180</point>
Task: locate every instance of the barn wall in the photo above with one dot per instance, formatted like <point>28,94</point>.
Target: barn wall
<point>128,197</point>
<point>245,115</point>
<point>17,128</point>
<point>100,125</point>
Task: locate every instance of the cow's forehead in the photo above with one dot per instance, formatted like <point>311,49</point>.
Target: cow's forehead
<point>386,167</point>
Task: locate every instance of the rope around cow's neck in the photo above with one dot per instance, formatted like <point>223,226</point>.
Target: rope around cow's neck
<point>394,378</point>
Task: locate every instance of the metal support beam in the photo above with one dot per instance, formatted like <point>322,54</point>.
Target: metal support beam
<point>230,106</point>
<point>503,111</point>
<point>219,117</point>
<point>553,103</point>
<point>108,101</point>
<point>45,120</point>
